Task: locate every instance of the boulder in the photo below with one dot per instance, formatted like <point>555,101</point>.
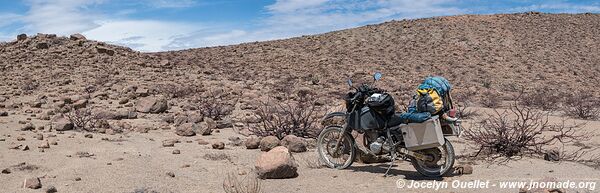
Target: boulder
<point>268,143</point>
<point>28,127</point>
<point>204,128</point>
<point>21,37</point>
<point>463,169</point>
<point>294,143</point>
<point>62,124</point>
<point>277,163</point>
<point>76,37</point>
<point>151,105</point>
<point>32,183</point>
<point>252,142</point>
<point>169,143</point>
<point>235,141</point>
<point>187,129</point>
<point>218,145</point>
<point>105,50</point>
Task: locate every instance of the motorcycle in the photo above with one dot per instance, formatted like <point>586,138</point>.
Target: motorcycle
<point>387,136</point>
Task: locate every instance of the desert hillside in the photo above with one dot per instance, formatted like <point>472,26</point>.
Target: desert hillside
<point>79,115</point>
<point>495,53</point>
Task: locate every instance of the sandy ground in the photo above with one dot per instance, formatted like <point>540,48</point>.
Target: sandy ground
<point>127,162</point>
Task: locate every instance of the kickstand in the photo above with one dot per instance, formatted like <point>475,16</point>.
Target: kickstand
<point>392,152</point>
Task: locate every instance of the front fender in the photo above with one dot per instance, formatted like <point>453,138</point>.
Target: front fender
<point>329,116</point>
<point>334,114</point>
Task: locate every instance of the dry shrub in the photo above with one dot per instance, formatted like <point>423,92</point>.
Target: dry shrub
<point>582,105</point>
<point>214,105</point>
<point>82,119</point>
<point>248,184</point>
<point>545,99</point>
<point>312,162</point>
<point>521,131</point>
<point>491,100</point>
<point>216,156</point>
<point>463,102</point>
<point>296,117</point>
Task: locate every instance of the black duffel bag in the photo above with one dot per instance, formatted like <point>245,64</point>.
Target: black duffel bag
<point>382,104</point>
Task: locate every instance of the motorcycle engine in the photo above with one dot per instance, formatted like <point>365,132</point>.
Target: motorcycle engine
<point>376,142</point>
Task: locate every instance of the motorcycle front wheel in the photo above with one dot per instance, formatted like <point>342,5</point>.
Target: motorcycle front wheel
<point>334,156</point>
<point>442,163</point>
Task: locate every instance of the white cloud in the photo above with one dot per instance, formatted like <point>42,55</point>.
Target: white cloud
<point>558,7</point>
<point>60,16</point>
<point>289,18</point>
<point>293,5</point>
<point>171,3</point>
<point>143,35</point>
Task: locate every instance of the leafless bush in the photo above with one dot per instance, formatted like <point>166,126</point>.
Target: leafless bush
<point>82,119</point>
<point>544,99</point>
<point>521,131</point>
<point>312,162</point>
<point>216,156</point>
<point>297,117</point>
<point>214,105</point>
<point>464,101</point>
<point>491,100</point>
<point>248,184</point>
<point>582,105</point>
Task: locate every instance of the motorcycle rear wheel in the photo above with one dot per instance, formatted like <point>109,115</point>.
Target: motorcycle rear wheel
<point>443,153</point>
<point>337,158</point>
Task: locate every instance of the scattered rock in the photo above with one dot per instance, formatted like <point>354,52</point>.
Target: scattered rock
<point>268,143</point>
<point>44,145</point>
<point>28,127</point>
<point>176,151</point>
<point>25,148</point>
<point>6,171</point>
<point>21,37</point>
<point>252,142</point>
<point>187,129</point>
<point>463,169</point>
<point>276,164</point>
<point>171,174</point>
<point>105,50</point>
<point>76,37</point>
<point>62,125</point>
<point>151,105</point>
<point>77,179</point>
<point>39,136</point>
<point>218,145</point>
<point>3,114</point>
<point>294,143</point>
<point>88,135</point>
<point>20,138</point>
<point>205,128</point>
<point>169,143</point>
<point>202,142</point>
<point>50,189</point>
<point>235,141</point>
<point>32,183</point>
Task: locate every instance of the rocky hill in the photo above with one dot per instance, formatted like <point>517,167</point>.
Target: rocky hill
<point>498,54</point>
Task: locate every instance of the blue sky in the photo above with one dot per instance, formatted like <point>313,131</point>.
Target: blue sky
<point>159,25</point>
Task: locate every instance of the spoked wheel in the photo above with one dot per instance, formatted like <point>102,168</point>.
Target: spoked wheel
<point>441,162</point>
<point>333,155</point>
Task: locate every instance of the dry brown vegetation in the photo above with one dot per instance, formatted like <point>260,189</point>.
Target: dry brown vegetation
<point>289,117</point>
<point>522,131</point>
<point>247,184</point>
